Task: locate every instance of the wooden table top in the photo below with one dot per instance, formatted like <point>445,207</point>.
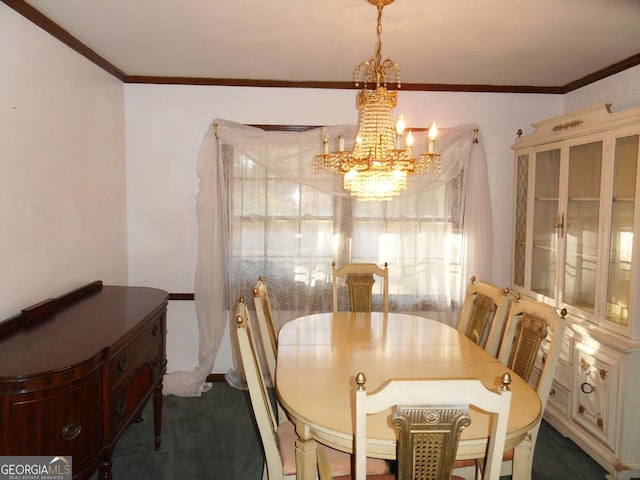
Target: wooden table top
<point>319,356</point>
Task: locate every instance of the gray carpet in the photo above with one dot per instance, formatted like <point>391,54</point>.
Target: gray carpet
<point>214,437</point>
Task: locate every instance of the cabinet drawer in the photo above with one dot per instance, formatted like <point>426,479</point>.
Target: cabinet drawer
<point>124,359</point>
<point>132,394</point>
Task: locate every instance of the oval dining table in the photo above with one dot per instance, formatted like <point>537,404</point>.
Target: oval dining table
<point>320,354</point>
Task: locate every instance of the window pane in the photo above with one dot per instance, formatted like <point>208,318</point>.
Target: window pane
<point>283,198</point>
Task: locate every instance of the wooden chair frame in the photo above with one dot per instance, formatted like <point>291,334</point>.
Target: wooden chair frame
<point>484,314</point>
<point>266,323</point>
<point>360,278</point>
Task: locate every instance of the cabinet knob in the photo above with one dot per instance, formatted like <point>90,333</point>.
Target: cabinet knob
<point>71,430</point>
<point>123,364</point>
<point>559,225</point>
<point>121,407</point>
<point>587,388</point>
<point>584,364</point>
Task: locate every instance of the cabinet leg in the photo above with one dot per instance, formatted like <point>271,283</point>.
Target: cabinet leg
<point>104,469</point>
<point>157,414</point>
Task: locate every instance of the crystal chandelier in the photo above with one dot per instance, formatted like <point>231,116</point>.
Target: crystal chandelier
<point>378,166</point>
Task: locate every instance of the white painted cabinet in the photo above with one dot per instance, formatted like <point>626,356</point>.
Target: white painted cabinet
<point>575,246</point>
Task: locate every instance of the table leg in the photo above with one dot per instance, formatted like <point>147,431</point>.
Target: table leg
<point>306,460</point>
<point>523,460</point>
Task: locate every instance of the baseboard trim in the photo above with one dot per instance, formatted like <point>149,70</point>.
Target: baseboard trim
<point>216,377</point>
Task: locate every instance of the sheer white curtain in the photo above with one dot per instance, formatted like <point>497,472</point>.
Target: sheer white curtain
<point>263,211</point>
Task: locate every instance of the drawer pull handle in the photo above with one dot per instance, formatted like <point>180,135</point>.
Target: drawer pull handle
<point>71,430</point>
<point>121,408</point>
<point>601,423</point>
<point>584,364</point>
<point>587,388</point>
<point>552,392</point>
<point>155,330</point>
<point>123,364</point>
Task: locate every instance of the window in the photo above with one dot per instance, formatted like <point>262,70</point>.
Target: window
<point>291,233</point>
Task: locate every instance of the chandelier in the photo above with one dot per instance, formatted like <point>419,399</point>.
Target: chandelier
<point>381,160</point>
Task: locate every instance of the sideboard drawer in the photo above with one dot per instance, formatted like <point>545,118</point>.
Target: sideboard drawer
<point>124,359</point>
<point>136,387</point>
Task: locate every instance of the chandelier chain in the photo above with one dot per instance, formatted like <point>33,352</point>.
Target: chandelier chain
<point>378,55</point>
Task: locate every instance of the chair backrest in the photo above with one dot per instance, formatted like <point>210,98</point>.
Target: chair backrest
<point>533,335</point>
<point>266,325</point>
<point>260,400</point>
<point>429,416</point>
<point>484,314</point>
<point>360,277</point>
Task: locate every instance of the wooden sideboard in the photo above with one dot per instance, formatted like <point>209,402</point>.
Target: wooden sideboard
<point>77,370</point>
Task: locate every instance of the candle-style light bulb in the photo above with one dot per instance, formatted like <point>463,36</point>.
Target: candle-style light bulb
<point>341,143</point>
<point>409,139</point>
<point>325,141</point>
<point>433,131</point>
<point>400,124</point>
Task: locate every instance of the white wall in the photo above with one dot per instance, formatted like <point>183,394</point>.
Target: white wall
<point>165,125</point>
<point>621,90</point>
<point>68,217</point>
<point>62,183</point>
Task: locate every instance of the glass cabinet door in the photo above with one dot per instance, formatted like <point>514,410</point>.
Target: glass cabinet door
<point>621,239</point>
<point>545,219</point>
<point>581,225</point>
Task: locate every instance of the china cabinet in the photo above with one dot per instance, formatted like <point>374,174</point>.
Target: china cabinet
<point>574,247</point>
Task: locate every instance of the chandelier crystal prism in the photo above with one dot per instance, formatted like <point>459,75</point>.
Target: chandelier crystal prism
<point>381,160</point>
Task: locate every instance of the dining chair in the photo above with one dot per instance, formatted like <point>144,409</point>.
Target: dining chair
<point>359,278</point>
<point>484,314</point>
<point>531,346</point>
<point>429,416</point>
<point>278,440</point>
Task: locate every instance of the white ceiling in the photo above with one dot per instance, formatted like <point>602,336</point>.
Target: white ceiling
<point>546,43</point>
